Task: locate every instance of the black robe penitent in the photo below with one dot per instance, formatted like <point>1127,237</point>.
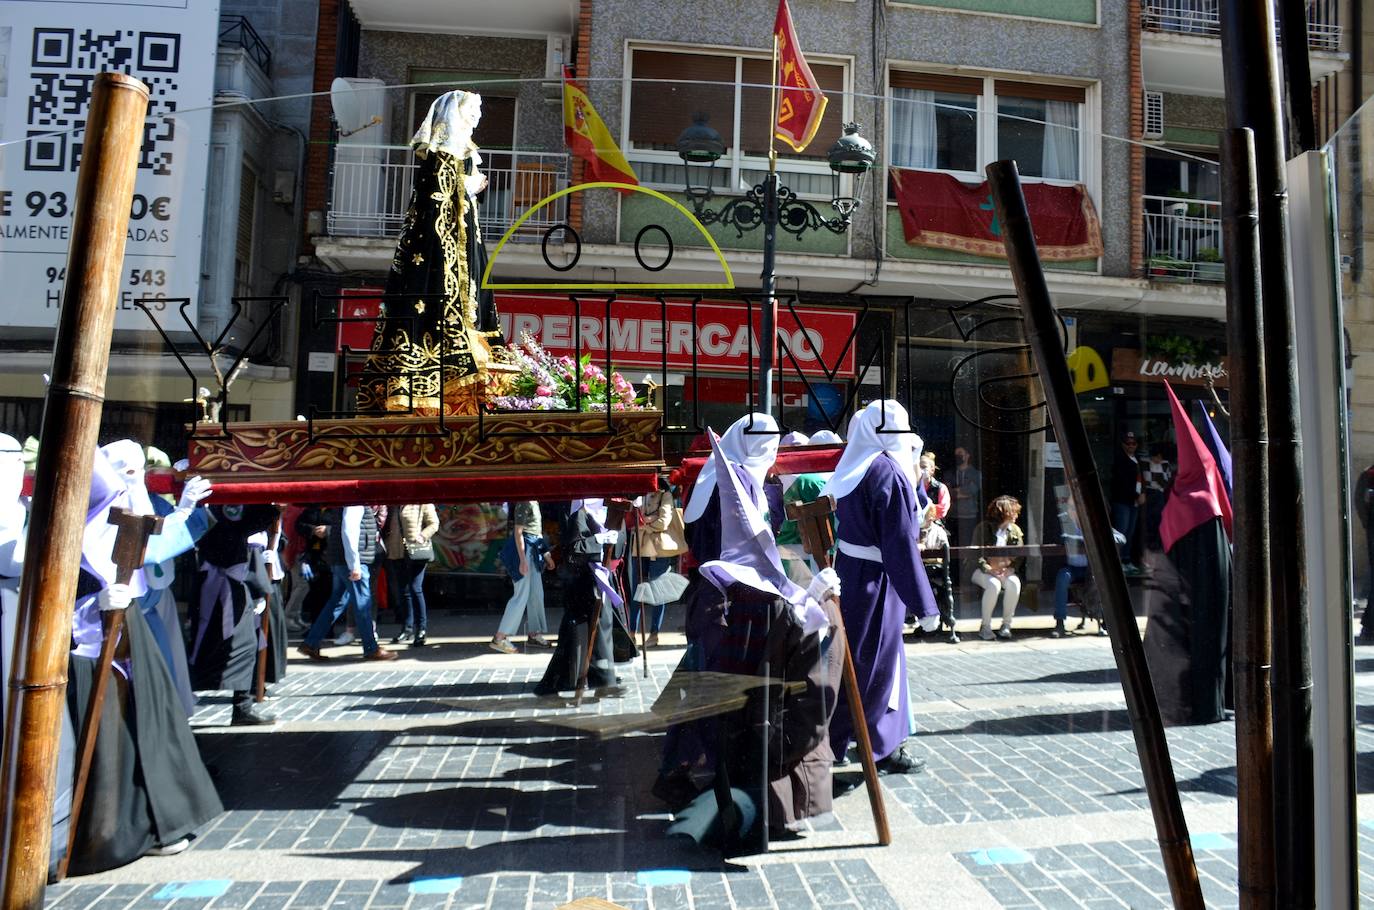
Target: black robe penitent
<point>223,649</point>
<point>147,784</point>
<point>1187,639</point>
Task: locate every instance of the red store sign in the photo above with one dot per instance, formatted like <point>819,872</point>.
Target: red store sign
<point>636,332</point>
<point>814,336</point>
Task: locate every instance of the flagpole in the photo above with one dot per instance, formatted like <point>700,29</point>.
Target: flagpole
<point>768,281</point>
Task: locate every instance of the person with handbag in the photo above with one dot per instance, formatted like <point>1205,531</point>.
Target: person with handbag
<point>525,556</point>
<point>409,543</point>
<point>661,538</point>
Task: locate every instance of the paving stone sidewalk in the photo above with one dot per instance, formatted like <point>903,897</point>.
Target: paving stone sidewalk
<point>440,781</point>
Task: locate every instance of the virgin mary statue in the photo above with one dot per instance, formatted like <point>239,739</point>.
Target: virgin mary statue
<point>438,344</point>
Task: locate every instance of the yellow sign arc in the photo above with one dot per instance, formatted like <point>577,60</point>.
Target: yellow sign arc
<point>726,285</point>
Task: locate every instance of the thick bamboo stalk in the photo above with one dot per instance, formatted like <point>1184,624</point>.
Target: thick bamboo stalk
<point>1043,332</point>
<point>62,481</point>
<point>1249,60</point>
<point>1251,654</point>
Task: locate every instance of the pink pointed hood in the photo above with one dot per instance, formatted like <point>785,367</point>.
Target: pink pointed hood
<point>1199,491</point>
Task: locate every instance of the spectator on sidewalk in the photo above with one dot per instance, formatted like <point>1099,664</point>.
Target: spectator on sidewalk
<point>409,531</point>
<point>997,575</point>
<point>967,490</point>
<point>1159,476</point>
<point>1075,571</point>
<point>350,536</point>
<point>529,552</point>
<point>1128,495</point>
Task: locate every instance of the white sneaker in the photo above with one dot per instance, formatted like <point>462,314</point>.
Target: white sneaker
<point>345,638</point>
<point>171,849</point>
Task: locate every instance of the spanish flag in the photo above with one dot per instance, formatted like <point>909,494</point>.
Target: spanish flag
<point>589,139</point>
<point>802,103</point>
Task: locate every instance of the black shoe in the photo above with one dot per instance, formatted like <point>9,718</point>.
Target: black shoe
<point>1059,631</point>
<point>953,638</point>
<point>248,716</point>
<point>403,635</point>
<point>419,640</point>
<point>902,762</point>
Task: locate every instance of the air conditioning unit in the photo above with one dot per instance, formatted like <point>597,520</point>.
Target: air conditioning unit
<point>1154,115</point>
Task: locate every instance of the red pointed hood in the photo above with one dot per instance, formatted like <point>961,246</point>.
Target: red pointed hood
<point>1199,491</point>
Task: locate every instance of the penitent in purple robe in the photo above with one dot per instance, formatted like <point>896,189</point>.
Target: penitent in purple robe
<point>874,600</point>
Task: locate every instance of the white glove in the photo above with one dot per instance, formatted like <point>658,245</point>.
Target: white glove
<point>825,584</point>
<point>930,623</point>
<point>259,607</point>
<point>114,597</point>
<point>195,489</point>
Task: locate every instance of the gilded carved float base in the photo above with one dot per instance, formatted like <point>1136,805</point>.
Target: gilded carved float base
<point>495,457</point>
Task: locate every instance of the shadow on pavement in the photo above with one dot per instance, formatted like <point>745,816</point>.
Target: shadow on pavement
<point>1100,721</point>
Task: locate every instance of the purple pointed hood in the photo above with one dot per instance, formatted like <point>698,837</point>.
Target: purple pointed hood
<point>748,552</point>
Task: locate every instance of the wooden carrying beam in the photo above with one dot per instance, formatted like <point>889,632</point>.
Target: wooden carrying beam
<point>813,521</point>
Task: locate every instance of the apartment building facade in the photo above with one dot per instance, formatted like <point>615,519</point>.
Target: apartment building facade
<point>1119,100</point>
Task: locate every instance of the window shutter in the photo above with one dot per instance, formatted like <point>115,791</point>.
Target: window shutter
<point>931,82</point>
<point>660,111</point>
<point>1040,91</point>
<point>243,241</point>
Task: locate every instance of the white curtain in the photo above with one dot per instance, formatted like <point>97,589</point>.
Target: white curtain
<point>1059,161</point>
<point>913,128</point>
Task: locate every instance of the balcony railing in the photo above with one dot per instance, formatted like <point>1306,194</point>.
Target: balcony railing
<point>237,31</point>
<point>1183,239</point>
<point>372,183</point>
<point>1201,17</point>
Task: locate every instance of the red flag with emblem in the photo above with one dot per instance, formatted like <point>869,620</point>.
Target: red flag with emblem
<point>802,103</point>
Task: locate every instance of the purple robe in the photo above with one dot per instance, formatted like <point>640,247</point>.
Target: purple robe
<point>875,599</point>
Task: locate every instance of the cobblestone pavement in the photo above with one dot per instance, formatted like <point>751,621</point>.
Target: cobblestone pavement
<point>439,781</point>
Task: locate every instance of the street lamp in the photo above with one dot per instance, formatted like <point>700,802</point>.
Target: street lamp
<point>772,206</point>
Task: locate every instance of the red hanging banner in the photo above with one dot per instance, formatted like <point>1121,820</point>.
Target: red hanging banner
<point>940,212</point>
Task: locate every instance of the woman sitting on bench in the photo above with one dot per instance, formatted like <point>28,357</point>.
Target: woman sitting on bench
<point>996,575</point>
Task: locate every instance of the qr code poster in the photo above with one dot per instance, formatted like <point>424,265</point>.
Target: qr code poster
<point>50,54</point>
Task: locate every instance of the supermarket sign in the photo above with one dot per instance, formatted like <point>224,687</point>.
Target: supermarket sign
<point>637,334</point>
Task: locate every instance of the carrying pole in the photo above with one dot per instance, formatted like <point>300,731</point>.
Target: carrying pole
<point>62,484</point>
<point>1251,653</point>
<point>1042,329</point>
<point>813,520</point>
<point>1249,61</point>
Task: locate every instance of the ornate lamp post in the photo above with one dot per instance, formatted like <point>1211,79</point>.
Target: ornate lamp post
<point>773,206</point>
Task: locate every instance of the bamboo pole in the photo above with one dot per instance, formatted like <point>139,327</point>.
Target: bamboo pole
<point>1249,60</point>
<point>1251,654</point>
<point>1042,331</point>
<point>62,482</point>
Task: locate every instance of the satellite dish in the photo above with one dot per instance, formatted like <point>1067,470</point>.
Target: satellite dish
<point>348,109</point>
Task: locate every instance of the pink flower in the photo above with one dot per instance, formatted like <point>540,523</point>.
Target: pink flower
<point>543,391</point>
<point>585,389</point>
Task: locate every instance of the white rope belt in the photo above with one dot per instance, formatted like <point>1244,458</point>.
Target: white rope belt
<point>872,554</point>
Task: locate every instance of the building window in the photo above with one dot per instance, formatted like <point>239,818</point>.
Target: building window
<point>247,223</point>
<point>495,131</point>
<point>960,123</point>
<point>733,91</point>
